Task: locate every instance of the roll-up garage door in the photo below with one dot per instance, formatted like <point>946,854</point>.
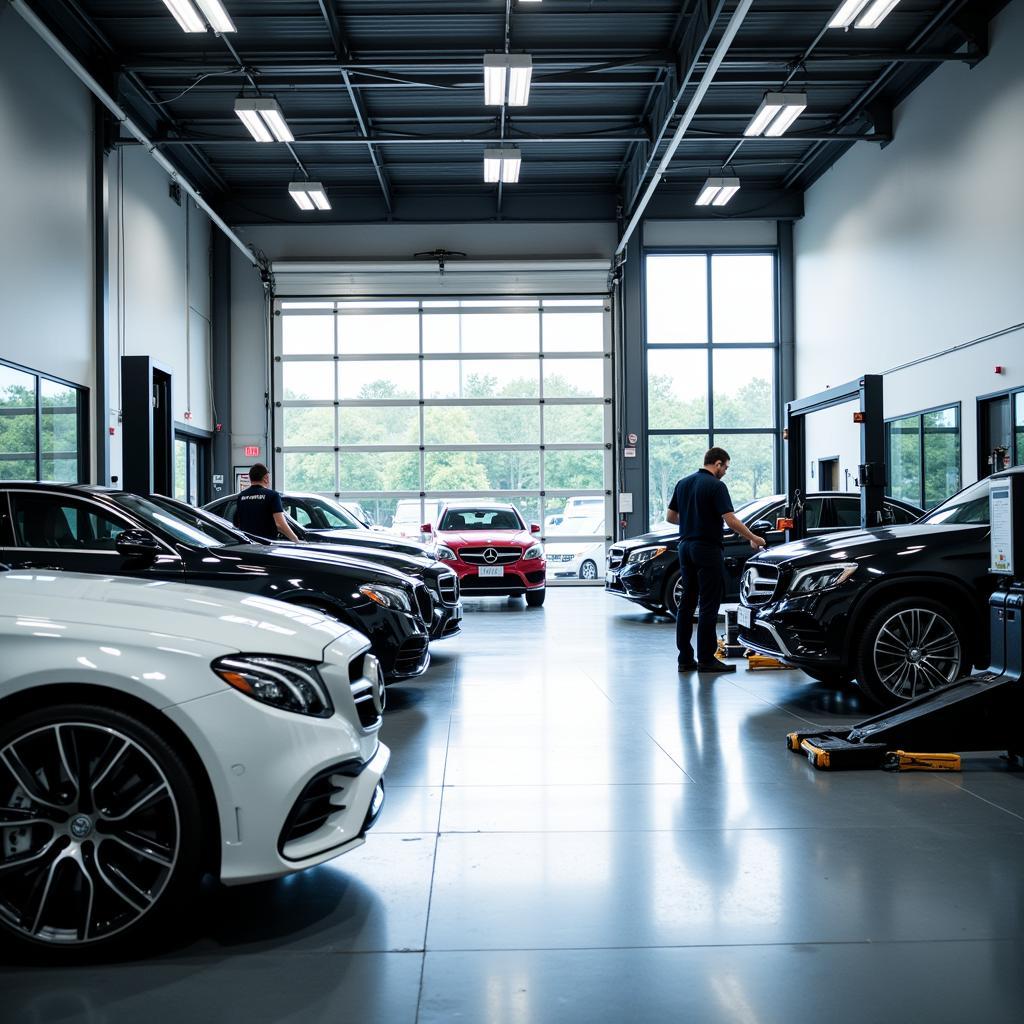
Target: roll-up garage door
<point>397,387</point>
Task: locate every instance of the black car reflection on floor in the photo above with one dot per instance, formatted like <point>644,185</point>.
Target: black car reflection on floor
<point>100,530</point>
<point>646,569</point>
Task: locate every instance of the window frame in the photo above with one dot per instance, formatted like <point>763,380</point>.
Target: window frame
<point>922,469</point>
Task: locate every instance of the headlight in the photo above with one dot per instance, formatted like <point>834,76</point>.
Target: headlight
<point>645,554</point>
<point>445,553</point>
<point>536,551</point>
<point>388,597</point>
<point>821,577</point>
<point>284,683</point>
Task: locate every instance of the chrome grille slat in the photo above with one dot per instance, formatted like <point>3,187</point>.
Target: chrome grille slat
<point>505,555</point>
<point>616,556</point>
<point>759,584</point>
<point>448,586</point>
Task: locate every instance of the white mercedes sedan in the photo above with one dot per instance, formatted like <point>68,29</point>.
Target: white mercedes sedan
<point>151,732</point>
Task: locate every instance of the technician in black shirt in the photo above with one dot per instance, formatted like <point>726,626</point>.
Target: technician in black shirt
<point>699,505</point>
<point>260,510</point>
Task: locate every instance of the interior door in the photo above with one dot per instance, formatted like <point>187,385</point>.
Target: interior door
<point>995,440</point>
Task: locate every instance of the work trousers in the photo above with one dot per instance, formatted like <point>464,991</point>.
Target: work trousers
<point>702,575</point>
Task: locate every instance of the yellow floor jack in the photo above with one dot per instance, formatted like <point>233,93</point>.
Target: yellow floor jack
<point>978,712</point>
<point>730,647</point>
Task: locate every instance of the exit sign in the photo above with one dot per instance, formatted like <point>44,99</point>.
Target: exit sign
<point>252,451</point>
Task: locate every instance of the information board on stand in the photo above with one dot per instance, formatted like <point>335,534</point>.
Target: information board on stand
<point>1001,518</point>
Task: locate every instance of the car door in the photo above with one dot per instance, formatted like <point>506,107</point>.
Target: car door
<point>50,530</point>
<point>302,513</point>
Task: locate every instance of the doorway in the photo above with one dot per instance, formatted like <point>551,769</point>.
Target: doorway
<point>190,460</point>
<point>828,474</point>
<point>995,434</point>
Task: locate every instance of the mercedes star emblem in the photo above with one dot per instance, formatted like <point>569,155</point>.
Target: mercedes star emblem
<point>490,556</point>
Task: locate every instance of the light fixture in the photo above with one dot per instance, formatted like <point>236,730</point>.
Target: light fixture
<point>309,195</point>
<point>502,165</point>
<point>264,120</point>
<point>777,112</point>
<point>854,10</point>
<point>186,15</point>
<point>717,191</point>
<point>511,70</point>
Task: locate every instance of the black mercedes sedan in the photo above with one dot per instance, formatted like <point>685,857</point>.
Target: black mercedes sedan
<point>100,530</point>
<point>646,569</point>
<point>437,577</point>
<point>900,609</point>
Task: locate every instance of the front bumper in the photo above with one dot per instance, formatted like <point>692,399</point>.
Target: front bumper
<point>260,761</point>
<point>643,582</point>
<point>447,621</point>
<point>518,578</point>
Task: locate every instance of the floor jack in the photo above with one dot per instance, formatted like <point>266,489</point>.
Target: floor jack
<point>978,712</point>
<point>730,647</point>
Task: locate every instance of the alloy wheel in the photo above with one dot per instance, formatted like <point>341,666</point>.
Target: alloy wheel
<point>916,650</point>
<point>588,570</point>
<point>89,833</point>
<point>677,595</point>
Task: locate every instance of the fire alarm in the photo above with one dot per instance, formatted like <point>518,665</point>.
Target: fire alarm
<point>859,417</point>
<point>1000,369</point>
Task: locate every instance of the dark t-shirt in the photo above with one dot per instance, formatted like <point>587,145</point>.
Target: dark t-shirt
<point>256,508</point>
<point>701,499</point>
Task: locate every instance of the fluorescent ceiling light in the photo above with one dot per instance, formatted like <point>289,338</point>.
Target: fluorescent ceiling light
<point>846,12</point>
<point>264,120</point>
<point>777,112</point>
<point>514,70</point>
<point>309,195</point>
<point>502,165</point>
<point>717,191</point>
<point>875,14</point>
<point>186,15</point>
<point>219,19</point>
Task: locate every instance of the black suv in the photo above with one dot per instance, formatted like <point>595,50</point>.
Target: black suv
<point>646,569</point>
<point>100,530</point>
<point>900,609</point>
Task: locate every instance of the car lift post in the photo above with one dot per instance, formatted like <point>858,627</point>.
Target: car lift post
<point>871,472</point>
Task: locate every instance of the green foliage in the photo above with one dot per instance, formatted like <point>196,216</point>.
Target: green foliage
<point>58,429</point>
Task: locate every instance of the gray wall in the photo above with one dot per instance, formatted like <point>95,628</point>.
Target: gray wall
<point>913,249</point>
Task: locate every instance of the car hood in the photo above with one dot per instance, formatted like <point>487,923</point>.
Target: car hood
<point>852,545</point>
<point>411,565</point>
<point>78,607</point>
<point>368,539</point>
<point>486,538</point>
<point>292,559</point>
<point>647,539</point>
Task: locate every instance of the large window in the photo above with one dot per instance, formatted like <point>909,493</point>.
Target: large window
<point>924,456</point>
<point>711,369</point>
<point>42,424</point>
<point>400,402</point>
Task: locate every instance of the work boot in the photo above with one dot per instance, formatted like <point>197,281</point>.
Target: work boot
<point>715,666</point>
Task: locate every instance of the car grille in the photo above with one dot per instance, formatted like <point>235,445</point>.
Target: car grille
<point>449,588</point>
<point>498,584</point>
<point>759,584</point>
<point>410,655</point>
<point>616,556</point>
<point>500,556</point>
<point>367,685</point>
<point>322,796</point>
<point>424,603</point>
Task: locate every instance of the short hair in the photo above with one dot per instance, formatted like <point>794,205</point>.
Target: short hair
<point>258,472</point>
<point>713,455</point>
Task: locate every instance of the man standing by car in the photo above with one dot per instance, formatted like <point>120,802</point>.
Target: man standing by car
<point>699,505</point>
<point>260,510</point>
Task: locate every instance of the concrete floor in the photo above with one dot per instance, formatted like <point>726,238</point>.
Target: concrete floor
<point>575,833</point>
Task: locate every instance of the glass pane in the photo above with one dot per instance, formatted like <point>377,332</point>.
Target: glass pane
<point>17,425</point>
<point>307,335</point>
<point>44,521</point>
<point>380,510</point>
<point>442,332</point>
<point>677,299</point>
<point>677,389</point>
<point>308,471</point>
<point>500,424</point>
<point>501,332</point>
<point>386,332</point>
<point>529,509</point>
<point>310,381</point>
<point>398,378</point>
<point>744,395</point>
<point>581,515</point>
<point>379,425</point>
<point>574,332</point>
<point>1018,428</point>
<point>309,426</point>
<point>58,431</point>
<point>574,378</point>
<point>670,459</point>
<point>941,455</point>
<point>581,470</point>
<point>384,471</point>
<point>751,467</point>
<point>905,459</point>
<point>481,378</point>
<point>573,424</point>
<point>180,469</point>
<point>743,298</point>
<point>193,474</point>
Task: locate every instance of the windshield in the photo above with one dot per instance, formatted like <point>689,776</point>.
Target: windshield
<point>753,510</point>
<point>968,506</point>
<point>481,519</point>
<point>337,517</point>
<point>182,523</point>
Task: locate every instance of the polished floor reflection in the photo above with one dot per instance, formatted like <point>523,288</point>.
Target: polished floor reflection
<point>575,833</point>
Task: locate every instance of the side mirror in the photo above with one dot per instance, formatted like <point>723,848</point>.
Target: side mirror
<point>761,527</point>
<point>137,544</point>
<point>534,528</point>
<point>426,528</point>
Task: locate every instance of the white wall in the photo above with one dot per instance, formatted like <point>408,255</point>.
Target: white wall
<point>46,228</point>
<point>710,232</point>
<point>913,249</point>
<point>250,350</point>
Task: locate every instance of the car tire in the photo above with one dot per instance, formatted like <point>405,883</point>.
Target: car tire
<point>588,570</point>
<point>671,602</point>
<point>535,598</point>
<point>909,647</point>
<point>103,866</point>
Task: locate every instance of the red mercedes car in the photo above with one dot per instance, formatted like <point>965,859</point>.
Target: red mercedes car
<point>492,550</point>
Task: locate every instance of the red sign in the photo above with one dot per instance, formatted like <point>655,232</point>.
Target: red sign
<point>252,451</point>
